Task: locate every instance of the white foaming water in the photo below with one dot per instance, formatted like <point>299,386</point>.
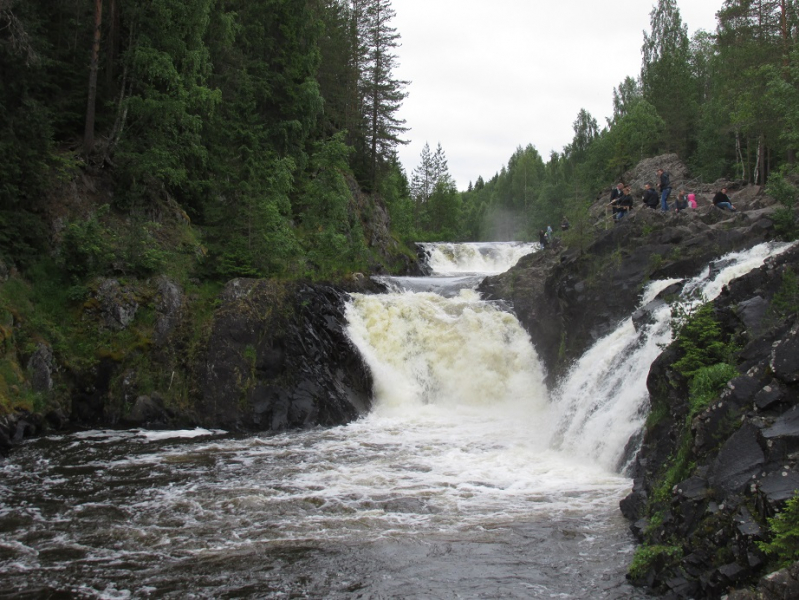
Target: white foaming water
<point>486,258</point>
<point>603,402</point>
<point>460,379</point>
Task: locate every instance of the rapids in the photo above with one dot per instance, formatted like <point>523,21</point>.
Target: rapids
<point>469,479</point>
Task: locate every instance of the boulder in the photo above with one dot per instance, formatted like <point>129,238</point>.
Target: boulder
<point>785,357</point>
<point>739,459</point>
<point>115,304</point>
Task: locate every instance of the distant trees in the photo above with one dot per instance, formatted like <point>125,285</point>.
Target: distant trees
<point>436,202</point>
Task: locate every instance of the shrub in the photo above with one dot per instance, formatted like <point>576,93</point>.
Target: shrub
<point>784,547</point>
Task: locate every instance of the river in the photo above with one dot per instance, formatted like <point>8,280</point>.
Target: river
<point>468,479</point>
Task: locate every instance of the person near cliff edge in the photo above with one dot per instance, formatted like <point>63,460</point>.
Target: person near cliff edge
<point>615,195</point>
<point>722,200</point>
<point>665,189</point>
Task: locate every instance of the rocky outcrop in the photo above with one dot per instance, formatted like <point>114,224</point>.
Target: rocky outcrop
<point>113,303</point>
<point>278,357</point>
<point>744,447</point>
<point>567,299</point>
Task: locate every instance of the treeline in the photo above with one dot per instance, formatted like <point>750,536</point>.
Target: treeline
<point>257,120</point>
<point>727,102</point>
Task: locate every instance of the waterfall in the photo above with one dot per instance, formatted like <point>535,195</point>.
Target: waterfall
<point>603,402</point>
<point>432,342</point>
<point>483,258</point>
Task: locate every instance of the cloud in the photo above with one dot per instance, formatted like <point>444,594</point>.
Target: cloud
<point>488,77</point>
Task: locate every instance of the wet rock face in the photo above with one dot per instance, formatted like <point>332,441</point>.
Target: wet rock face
<point>169,309</point>
<point>278,358</point>
<point>744,445</point>
<point>41,366</point>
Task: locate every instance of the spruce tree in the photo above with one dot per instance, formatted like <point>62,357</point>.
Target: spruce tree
<point>382,93</point>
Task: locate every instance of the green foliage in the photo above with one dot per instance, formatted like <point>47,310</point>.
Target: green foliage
<point>87,246</point>
<point>784,528</point>
<point>702,342</point>
<point>657,556</point>
<point>706,383</point>
<point>786,193</point>
<point>786,301</point>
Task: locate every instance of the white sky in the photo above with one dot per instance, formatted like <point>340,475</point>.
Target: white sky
<point>488,76</point>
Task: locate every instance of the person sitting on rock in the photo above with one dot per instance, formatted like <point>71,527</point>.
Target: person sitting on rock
<point>682,202</point>
<point>722,200</point>
<point>651,198</point>
<point>564,224</point>
<point>692,200</point>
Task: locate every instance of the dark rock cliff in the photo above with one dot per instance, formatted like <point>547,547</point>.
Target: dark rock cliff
<point>278,357</point>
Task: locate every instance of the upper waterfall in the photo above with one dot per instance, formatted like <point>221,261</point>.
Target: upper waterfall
<point>486,258</point>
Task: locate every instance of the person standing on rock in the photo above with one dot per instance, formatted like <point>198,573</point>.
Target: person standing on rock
<point>692,200</point>
<point>615,194</point>
<point>564,224</point>
<point>624,204</point>
<point>665,189</point>
<point>722,200</point>
<point>651,198</point>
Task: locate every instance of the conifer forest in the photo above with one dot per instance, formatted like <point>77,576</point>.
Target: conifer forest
<point>260,122</point>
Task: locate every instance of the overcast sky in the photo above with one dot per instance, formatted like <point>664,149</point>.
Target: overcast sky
<point>488,76</point>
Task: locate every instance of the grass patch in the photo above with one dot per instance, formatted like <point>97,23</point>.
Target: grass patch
<point>658,557</point>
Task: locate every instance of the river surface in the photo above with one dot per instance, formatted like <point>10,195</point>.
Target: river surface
<point>469,479</point>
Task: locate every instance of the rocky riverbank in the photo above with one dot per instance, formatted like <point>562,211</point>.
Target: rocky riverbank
<point>270,356</point>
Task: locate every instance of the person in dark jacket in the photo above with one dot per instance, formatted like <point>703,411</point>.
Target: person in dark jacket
<point>615,194</point>
<point>665,189</point>
<point>651,198</point>
<point>542,238</point>
<point>624,204</point>
<point>722,200</point>
<point>682,201</point>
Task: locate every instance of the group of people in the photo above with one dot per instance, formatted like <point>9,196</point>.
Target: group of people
<point>621,201</point>
<point>545,236</point>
